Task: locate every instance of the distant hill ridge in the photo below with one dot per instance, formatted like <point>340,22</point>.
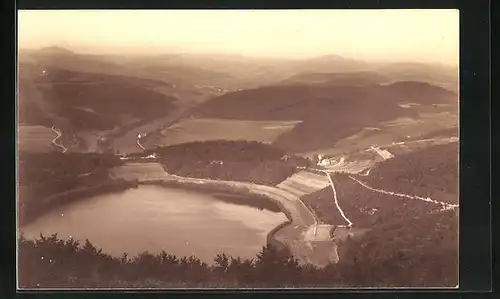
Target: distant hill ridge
<point>57,75</point>
<point>329,113</point>
<point>346,78</point>
<point>333,95</point>
<point>292,102</point>
<point>424,87</point>
<point>56,50</point>
<point>87,101</point>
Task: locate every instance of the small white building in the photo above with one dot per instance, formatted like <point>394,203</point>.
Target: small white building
<point>151,156</point>
<point>325,162</point>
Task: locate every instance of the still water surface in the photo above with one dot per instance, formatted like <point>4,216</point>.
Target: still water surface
<point>154,218</point>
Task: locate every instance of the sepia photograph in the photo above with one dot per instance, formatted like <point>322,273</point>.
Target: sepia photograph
<point>237,149</point>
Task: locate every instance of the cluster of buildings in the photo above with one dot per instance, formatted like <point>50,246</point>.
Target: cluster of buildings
<point>321,160</point>
<point>150,157</point>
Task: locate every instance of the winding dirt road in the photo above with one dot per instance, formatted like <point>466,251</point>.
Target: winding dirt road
<point>336,200</point>
<point>444,205</point>
<point>138,142</point>
<point>54,141</point>
<point>59,135</point>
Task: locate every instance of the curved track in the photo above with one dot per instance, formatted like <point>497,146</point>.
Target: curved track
<point>444,205</point>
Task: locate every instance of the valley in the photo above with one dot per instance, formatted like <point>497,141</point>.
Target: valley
<point>329,154</point>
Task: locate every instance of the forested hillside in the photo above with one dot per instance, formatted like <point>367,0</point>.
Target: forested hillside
<point>230,160</point>
<point>411,252</point>
<point>432,172</point>
<point>89,100</point>
<point>329,113</point>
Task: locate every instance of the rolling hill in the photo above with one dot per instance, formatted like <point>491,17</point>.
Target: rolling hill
<point>232,72</point>
<point>334,96</point>
<point>439,75</point>
<point>329,113</point>
<point>411,242</point>
<point>95,93</point>
<point>432,171</point>
<point>356,74</point>
<point>87,101</point>
<point>253,72</point>
<point>186,71</point>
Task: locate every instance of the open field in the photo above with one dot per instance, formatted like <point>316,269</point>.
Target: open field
<point>35,138</point>
<point>136,171</point>
<point>413,146</point>
<point>304,182</point>
<point>203,129</point>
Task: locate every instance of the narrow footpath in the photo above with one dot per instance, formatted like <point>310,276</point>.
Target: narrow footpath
<point>54,141</point>
<point>336,200</point>
<point>444,205</point>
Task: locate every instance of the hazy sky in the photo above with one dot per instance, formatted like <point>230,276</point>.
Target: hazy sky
<point>420,35</point>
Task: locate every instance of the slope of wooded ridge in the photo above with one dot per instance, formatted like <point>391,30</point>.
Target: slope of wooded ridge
<point>62,75</point>
<point>429,172</point>
<point>174,80</point>
<point>76,101</point>
<point>412,252</point>
<point>411,242</point>
<point>372,77</point>
<point>329,113</point>
<point>232,160</point>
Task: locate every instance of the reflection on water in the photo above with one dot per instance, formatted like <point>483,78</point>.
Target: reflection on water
<point>156,218</point>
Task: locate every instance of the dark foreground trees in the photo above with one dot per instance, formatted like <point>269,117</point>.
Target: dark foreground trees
<point>418,253</point>
<point>52,262</point>
<point>415,252</point>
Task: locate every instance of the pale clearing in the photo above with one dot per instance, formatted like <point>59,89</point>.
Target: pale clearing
<point>35,139</point>
<point>203,129</point>
<point>139,171</point>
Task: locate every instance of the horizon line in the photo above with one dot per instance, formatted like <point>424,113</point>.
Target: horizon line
<point>234,54</point>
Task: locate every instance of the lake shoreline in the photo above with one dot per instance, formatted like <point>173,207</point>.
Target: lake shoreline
<point>229,194</point>
<point>265,197</point>
<point>287,202</point>
<point>216,186</point>
<point>27,212</point>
